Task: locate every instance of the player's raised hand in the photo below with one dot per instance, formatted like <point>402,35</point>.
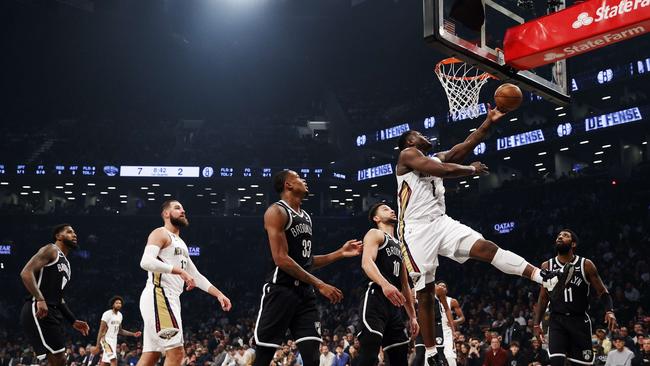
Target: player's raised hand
<point>189,280</point>
<point>610,319</point>
<point>225,302</point>
<point>41,309</point>
<point>81,326</point>
<point>481,169</point>
<point>393,295</point>
<point>494,114</point>
<point>352,248</point>
<point>333,294</point>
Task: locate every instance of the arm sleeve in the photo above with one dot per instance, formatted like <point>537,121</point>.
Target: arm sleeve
<point>67,314</point>
<point>199,279</point>
<point>150,263</point>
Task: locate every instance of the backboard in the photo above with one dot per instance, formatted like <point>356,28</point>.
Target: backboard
<point>483,48</point>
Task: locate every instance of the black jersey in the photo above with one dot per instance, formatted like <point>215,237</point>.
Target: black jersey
<point>298,233</point>
<point>389,261</point>
<point>575,299</point>
<point>52,278</point>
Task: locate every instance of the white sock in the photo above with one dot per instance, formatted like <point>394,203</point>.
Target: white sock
<point>430,351</point>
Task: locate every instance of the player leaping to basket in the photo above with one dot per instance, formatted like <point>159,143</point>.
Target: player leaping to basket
<point>426,231</point>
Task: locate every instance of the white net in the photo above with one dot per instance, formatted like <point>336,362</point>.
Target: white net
<point>462,83</point>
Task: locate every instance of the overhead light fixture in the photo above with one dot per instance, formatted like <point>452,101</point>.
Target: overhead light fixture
<point>91,184</point>
<point>144,188</point>
<point>356,195</point>
<point>606,146</point>
<point>561,114</point>
<point>24,193</point>
<point>559,108</point>
<point>335,201</point>
<point>348,190</point>
<point>103,192</point>
<point>539,164</point>
<point>167,195</point>
<point>208,188</point>
<point>644,143</point>
<point>56,187</point>
<point>83,194</point>
<point>349,199</point>
<point>27,187</point>
<point>334,187</point>
<point>598,152</point>
<point>541,153</point>
<point>36,192</point>
<point>564,149</point>
<point>151,199</point>
<point>462,182</point>
<point>475,177</point>
<point>111,187</point>
<point>213,193</point>
<point>606,97</point>
<point>506,158</point>
<point>241,189</point>
<point>247,197</point>
<point>123,196</point>
<point>597,161</point>
<point>396,148</point>
<point>199,195</point>
<point>67,192</point>
<point>584,142</point>
<point>374,185</point>
<point>213,202</point>
<point>4,183</point>
<point>514,119</point>
<point>189,185</point>
<point>466,185</point>
<point>123,201</point>
<point>259,194</point>
<point>242,200</point>
<point>472,129</point>
<point>71,198</point>
<point>258,202</point>
<point>541,169</point>
<point>254,186</point>
<point>69,184</point>
<point>155,185</point>
<point>150,193</point>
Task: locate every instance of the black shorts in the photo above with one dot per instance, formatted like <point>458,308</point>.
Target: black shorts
<point>285,308</point>
<point>440,339</point>
<point>570,336</point>
<point>382,318</point>
<point>46,335</point>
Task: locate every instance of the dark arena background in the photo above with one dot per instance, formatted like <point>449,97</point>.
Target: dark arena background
<point>111,108</point>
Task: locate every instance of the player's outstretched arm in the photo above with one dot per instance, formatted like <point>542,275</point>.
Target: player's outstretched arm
<point>124,332</point>
<point>459,152</point>
<point>157,240</point>
<point>608,303</point>
<point>416,160</point>
<point>540,309</point>
<point>350,248</point>
<point>275,219</point>
<point>409,304</point>
<point>205,285</point>
<point>371,242</point>
<point>44,256</point>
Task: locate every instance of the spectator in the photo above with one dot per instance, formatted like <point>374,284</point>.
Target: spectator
<point>475,355</point>
<point>538,355</point>
<point>462,354</point>
<point>643,358</point>
<point>604,340</point>
<point>515,356</point>
<point>326,357</point>
<point>600,357</point>
<point>219,355</point>
<point>354,355</point>
<point>629,342</point>
<point>620,356</point>
<point>495,356</point>
<point>342,358</point>
<point>631,293</point>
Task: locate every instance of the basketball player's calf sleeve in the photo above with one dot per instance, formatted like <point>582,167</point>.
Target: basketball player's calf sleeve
<point>369,349</point>
<point>419,356</point>
<point>509,262</point>
<point>309,353</point>
<point>263,356</point>
<point>398,356</point>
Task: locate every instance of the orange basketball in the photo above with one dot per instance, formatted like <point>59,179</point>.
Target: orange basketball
<point>508,97</point>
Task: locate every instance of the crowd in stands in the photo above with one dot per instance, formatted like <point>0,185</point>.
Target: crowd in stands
<point>611,220</point>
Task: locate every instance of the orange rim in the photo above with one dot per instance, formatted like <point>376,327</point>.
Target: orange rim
<point>453,60</point>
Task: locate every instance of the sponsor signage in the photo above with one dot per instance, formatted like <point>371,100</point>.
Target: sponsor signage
<point>575,30</point>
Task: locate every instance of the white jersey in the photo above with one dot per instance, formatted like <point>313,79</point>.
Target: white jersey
<point>114,323</point>
<point>445,321</point>
<point>177,255</point>
<point>420,196</point>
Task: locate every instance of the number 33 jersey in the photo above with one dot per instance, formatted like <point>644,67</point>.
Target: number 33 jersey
<point>298,231</point>
<point>177,255</point>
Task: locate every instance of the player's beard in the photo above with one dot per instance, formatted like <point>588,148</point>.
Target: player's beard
<point>70,244</point>
<point>179,221</point>
<point>391,221</point>
<point>563,248</point>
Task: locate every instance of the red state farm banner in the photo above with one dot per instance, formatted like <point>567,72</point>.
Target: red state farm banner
<point>575,30</point>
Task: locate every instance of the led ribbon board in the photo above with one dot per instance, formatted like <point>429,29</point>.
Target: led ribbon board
<point>613,119</point>
<point>374,172</point>
<point>575,30</point>
<point>521,139</point>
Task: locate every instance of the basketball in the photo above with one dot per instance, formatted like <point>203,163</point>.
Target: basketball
<point>508,97</point>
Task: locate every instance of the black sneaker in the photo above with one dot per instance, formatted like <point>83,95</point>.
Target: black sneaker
<point>436,360</point>
<point>563,280</point>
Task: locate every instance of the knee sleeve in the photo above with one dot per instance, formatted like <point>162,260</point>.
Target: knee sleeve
<point>309,353</point>
<point>509,262</point>
<point>398,356</point>
<point>370,344</point>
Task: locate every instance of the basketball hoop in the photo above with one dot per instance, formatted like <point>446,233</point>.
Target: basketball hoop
<point>462,83</point>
